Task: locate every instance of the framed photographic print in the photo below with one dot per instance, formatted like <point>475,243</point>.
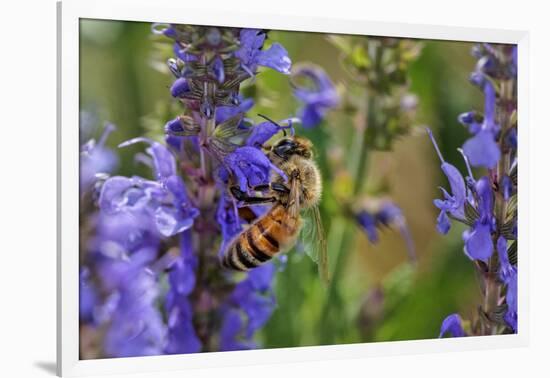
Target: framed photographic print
<point>275,188</point>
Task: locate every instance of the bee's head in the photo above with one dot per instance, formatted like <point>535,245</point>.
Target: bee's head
<point>287,147</point>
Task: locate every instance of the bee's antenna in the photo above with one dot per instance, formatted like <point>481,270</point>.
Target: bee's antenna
<point>268,119</point>
<point>273,122</point>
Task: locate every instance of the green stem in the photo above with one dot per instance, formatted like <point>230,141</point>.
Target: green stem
<point>341,237</point>
<point>363,158</point>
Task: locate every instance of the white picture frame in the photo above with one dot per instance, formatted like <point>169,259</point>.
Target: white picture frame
<point>69,14</point>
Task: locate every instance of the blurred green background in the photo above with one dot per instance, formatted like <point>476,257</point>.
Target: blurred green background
<point>380,297</point>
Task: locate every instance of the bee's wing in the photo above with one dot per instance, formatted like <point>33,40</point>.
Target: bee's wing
<point>294,198</point>
<point>313,239</point>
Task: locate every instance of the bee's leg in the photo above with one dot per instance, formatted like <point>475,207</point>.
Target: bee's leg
<point>249,200</point>
<point>275,186</point>
<point>281,188</point>
<point>261,188</point>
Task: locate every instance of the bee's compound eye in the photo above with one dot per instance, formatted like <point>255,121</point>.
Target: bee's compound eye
<point>284,147</point>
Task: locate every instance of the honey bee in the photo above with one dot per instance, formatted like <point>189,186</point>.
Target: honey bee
<point>279,229</point>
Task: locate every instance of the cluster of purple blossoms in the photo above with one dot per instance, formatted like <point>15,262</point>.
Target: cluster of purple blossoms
<point>318,97</point>
<point>488,205</point>
<point>385,213</point>
<point>151,279</point>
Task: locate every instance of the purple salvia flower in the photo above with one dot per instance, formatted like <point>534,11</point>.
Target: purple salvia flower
<point>512,138</point>
<point>231,329</point>
<point>251,54</point>
<point>227,217</point>
<point>482,149</point>
<point>511,316</point>
<point>223,113</point>
<point>317,99</point>
<point>182,54</point>
<point>118,267</point>
<point>251,167</point>
<point>182,337</point>
<point>177,216</point>
<point>368,222</point>
<point>217,70</point>
<point>452,324</point>
<point>165,203</point>
<point>164,163</point>
<point>171,32</point>
<point>264,131</point>
<point>180,87</point>
<point>453,203</point>
<point>122,252</point>
<point>507,187</point>
<point>166,200</point>
<point>478,240</point>
<point>391,215</point>
<point>387,214</point>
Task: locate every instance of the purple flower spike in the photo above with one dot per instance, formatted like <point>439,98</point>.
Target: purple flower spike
<point>452,324</point>
<point>317,100</point>
<point>251,167</point>
<point>251,54</point>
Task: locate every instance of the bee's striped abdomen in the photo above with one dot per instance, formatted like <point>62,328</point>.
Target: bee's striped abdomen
<point>269,235</point>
